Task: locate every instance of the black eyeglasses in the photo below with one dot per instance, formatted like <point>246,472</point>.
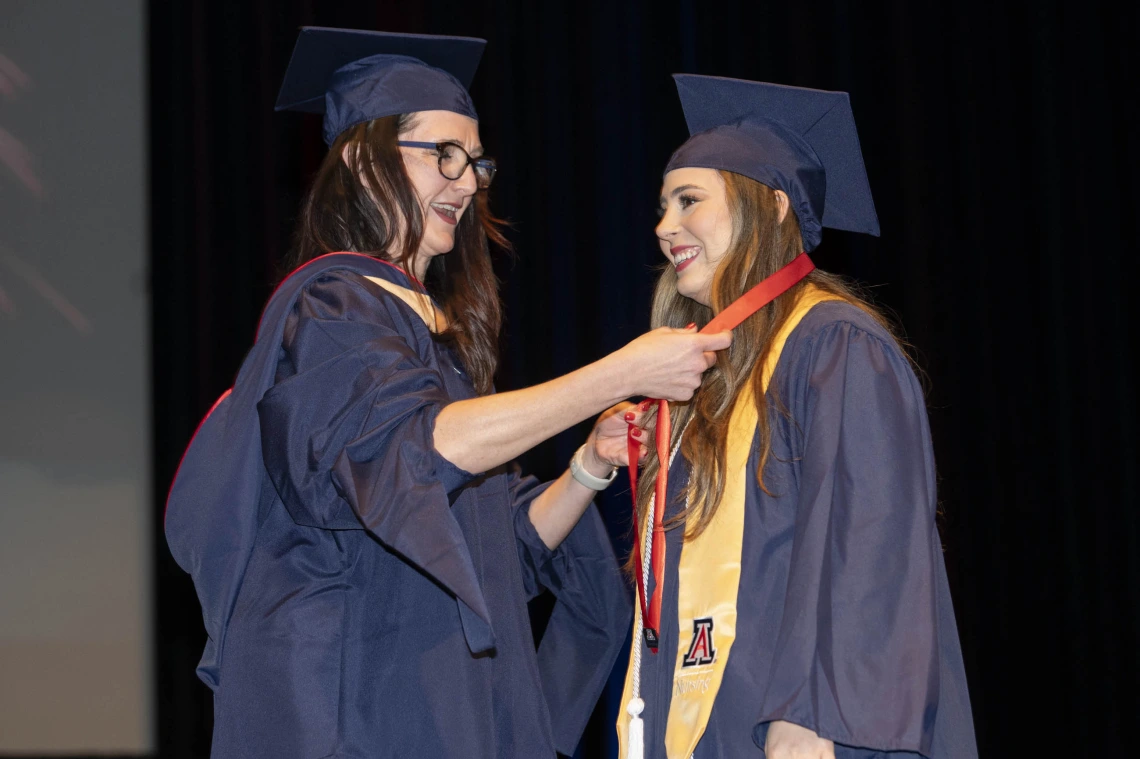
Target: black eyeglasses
<point>454,160</point>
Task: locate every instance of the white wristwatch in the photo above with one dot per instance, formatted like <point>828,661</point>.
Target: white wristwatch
<point>578,472</point>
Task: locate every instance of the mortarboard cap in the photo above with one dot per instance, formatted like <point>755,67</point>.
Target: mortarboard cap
<point>794,139</point>
<point>353,76</point>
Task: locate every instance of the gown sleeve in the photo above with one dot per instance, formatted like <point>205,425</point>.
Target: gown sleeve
<point>857,656</point>
<point>591,616</point>
<point>347,439</point>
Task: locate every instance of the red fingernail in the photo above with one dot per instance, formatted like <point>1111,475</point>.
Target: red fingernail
<point>636,433</point>
<point>691,325</point>
<point>643,406</point>
<point>629,416</point>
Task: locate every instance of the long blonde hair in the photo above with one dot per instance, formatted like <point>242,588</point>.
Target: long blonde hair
<point>761,245</point>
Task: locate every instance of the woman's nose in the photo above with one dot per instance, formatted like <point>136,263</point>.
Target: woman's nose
<point>467,183</point>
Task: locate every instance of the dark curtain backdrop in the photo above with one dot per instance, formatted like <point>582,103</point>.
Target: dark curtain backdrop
<point>999,139</point>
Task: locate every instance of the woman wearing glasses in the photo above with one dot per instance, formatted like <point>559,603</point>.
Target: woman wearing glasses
<point>362,558</point>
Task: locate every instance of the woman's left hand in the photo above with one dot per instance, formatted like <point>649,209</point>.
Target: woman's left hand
<point>790,741</point>
<point>606,446</point>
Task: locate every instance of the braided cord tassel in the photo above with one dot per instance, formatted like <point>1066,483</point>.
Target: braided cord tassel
<point>636,705</point>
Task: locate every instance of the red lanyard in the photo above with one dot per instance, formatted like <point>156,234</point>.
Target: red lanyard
<point>730,318</point>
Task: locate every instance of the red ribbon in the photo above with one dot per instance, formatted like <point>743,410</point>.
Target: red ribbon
<point>730,318</point>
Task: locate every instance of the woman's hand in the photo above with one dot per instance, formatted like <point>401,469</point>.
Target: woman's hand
<point>668,363</point>
<point>606,447</point>
<point>557,510</point>
<point>481,433</point>
<point>788,741</point>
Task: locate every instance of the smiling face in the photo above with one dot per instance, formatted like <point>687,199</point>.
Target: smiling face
<point>695,230</point>
<point>443,200</point>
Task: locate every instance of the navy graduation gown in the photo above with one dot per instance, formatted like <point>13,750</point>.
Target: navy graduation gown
<point>845,623</point>
<point>363,596</point>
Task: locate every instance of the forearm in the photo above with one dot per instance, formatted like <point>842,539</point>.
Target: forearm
<point>482,433</point>
<point>558,509</point>
<point>555,513</point>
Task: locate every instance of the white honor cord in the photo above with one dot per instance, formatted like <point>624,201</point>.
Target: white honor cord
<point>636,747</point>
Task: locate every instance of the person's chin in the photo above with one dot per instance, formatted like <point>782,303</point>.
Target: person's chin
<point>442,243</point>
<point>694,295</point>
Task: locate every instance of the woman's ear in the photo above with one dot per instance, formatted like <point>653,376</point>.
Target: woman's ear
<point>782,203</point>
<point>350,155</point>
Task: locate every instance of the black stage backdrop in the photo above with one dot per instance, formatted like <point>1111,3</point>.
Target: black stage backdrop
<point>999,143</point>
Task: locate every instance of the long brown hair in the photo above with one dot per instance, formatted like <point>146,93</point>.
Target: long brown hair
<point>761,244</point>
<point>372,209</point>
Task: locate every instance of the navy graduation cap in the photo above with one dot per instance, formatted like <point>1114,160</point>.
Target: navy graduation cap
<point>353,76</point>
<point>794,139</point>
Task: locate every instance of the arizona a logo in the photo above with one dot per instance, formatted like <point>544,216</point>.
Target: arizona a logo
<point>701,650</point>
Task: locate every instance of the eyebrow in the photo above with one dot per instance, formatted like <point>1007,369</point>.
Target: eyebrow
<point>475,153</point>
<point>678,190</point>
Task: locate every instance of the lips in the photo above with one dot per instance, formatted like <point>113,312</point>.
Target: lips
<point>447,212</point>
<point>683,255</point>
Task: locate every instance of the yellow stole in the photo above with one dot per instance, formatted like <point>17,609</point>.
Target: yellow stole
<point>709,576</point>
<point>418,302</point>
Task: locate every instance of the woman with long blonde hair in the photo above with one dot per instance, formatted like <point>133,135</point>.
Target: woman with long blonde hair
<point>793,599</point>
